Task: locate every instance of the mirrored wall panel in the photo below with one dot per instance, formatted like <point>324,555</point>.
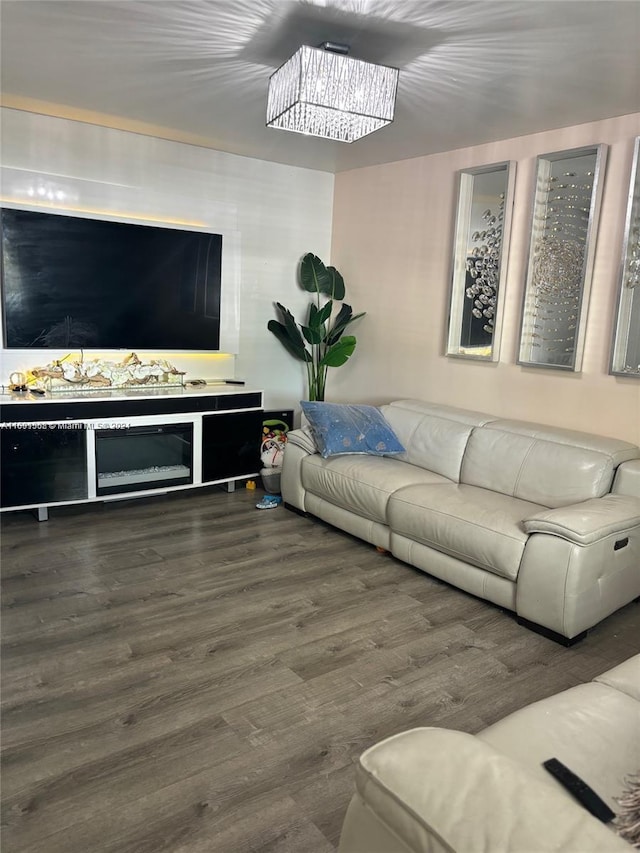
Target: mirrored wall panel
<point>625,357</point>
<point>563,233</point>
<point>480,249</point>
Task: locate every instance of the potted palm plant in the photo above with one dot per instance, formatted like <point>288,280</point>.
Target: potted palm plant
<point>321,342</point>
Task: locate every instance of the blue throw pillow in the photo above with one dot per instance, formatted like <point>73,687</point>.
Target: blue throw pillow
<point>343,428</point>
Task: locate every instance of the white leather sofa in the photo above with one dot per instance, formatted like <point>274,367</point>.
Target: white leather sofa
<point>539,520</point>
<point>434,790</point>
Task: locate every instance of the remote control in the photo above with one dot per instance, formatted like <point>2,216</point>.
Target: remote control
<point>580,790</point>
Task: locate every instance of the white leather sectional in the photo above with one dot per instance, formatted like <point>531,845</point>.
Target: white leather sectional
<point>540,520</point>
<point>432,790</point>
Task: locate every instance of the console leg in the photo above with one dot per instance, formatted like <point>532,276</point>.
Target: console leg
<point>549,634</point>
<point>41,513</point>
<point>231,486</point>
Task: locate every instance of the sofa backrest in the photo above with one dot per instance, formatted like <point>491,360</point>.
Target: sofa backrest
<point>434,436</point>
<point>627,479</point>
<point>545,465</point>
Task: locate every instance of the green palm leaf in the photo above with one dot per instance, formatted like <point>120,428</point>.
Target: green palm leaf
<point>288,334</point>
<point>345,318</point>
<point>336,288</point>
<point>313,275</point>
<point>319,316</point>
<point>313,334</point>
<point>339,353</point>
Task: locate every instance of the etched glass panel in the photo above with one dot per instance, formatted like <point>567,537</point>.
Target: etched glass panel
<point>565,213</point>
<point>625,359</point>
<point>481,243</point>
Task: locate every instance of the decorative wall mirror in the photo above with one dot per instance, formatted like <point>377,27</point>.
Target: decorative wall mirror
<point>625,355</point>
<point>564,223</point>
<point>480,249</point>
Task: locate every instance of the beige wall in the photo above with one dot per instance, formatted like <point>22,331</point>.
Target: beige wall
<point>392,235</point>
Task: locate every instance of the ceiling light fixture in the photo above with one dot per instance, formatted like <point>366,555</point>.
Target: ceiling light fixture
<point>323,92</point>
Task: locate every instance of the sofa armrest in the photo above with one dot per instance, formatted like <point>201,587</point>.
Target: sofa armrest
<point>589,521</point>
<point>580,563</point>
<point>303,438</point>
<point>300,445</point>
<point>441,790</point>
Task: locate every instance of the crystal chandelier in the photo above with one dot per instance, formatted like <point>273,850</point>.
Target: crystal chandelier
<point>322,92</point>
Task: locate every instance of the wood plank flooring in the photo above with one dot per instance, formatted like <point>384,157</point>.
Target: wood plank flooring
<point>189,674</point>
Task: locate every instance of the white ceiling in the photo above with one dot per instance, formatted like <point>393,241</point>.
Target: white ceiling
<point>471,71</point>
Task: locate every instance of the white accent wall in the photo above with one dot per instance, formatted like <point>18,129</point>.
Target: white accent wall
<point>392,241</point>
<point>273,213</point>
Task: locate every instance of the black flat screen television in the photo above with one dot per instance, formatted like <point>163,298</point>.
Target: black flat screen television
<point>74,283</point>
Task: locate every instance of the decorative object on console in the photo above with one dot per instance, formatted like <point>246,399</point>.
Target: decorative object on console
<point>99,373</point>
<point>347,429</point>
<point>320,91</point>
<point>564,221</point>
<point>18,382</point>
<point>481,243</point>
<point>625,358</point>
<point>324,333</point>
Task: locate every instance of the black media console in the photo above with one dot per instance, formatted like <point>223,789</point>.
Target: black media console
<point>112,444</point>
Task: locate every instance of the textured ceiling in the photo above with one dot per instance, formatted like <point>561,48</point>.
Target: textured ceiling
<point>470,72</point>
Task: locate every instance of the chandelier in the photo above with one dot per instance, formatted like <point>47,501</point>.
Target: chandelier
<point>321,91</point>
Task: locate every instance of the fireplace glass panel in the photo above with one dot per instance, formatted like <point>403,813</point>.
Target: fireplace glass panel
<point>141,458</point>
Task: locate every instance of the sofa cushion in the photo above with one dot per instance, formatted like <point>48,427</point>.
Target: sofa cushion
<point>434,436</point>
<point>362,484</point>
<point>476,525</point>
<point>440,410</point>
<point>592,728</point>
<point>547,465</point>
<point>342,428</point>
<point>625,678</point>
<point>616,449</point>
<point>543,472</point>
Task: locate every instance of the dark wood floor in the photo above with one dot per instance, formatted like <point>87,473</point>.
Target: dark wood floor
<point>189,674</point>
